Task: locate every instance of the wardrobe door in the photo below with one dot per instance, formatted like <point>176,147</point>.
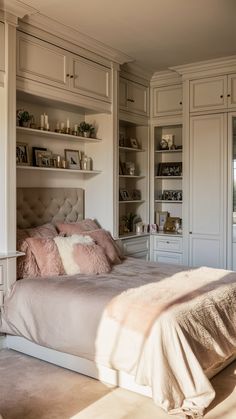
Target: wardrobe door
<point>207,221</point>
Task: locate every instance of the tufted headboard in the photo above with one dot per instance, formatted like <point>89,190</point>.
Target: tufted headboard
<point>37,206</point>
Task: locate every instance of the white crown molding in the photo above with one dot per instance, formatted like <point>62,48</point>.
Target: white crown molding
<point>137,70</point>
<point>224,65</point>
<point>11,10</point>
<point>67,33</point>
<point>166,77</point>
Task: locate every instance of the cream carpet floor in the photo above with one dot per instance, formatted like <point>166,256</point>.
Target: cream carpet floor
<point>33,389</point>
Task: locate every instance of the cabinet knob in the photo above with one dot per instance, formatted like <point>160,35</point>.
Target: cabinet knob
<point>190,232</point>
<point>221,96</point>
<point>130,100</point>
<point>167,242</point>
<point>228,95</point>
<point>181,103</point>
<point>67,75</point>
<point>71,76</point>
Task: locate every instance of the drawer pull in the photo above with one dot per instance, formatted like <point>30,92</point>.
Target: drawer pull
<point>130,100</point>
<point>168,242</point>
<point>221,96</point>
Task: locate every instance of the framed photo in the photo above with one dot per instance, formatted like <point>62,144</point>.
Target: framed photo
<point>133,143</point>
<point>152,228</point>
<point>124,195</point>
<point>43,158</point>
<point>73,157</point>
<point>34,149</point>
<point>172,195</point>
<point>22,154</point>
<point>172,224</point>
<point>136,194</point>
<point>170,169</point>
<point>161,217</point>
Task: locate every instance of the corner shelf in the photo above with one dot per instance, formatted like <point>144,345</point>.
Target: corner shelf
<point>55,169</point>
<point>132,176</point>
<point>166,201</point>
<point>55,135</point>
<point>169,151</point>
<point>132,201</point>
<point>136,150</point>
<point>168,177</point>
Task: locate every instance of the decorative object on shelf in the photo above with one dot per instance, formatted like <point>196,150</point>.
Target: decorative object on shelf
<point>86,163</point>
<point>172,195</point>
<point>73,157</point>
<point>34,149</point>
<point>43,158</point>
<point>86,129</point>
<point>124,195</point>
<point>129,168</point>
<point>152,228</point>
<point>160,219</point>
<point>121,139</point>
<point>22,154</point>
<point>172,224</point>
<point>44,124</point>
<point>170,169</point>
<point>75,130</point>
<point>136,194</point>
<point>121,168</point>
<point>163,144</point>
<point>130,221</point>
<point>139,228</point>
<point>133,143</point>
<point>23,118</point>
<point>169,138</point>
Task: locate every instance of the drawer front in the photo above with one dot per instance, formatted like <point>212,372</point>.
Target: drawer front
<point>168,244</point>
<point>167,100</point>
<point>141,255</point>
<point>138,245</point>
<point>170,258</point>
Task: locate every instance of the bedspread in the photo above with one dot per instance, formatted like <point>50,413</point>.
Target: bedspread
<point>169,327</point>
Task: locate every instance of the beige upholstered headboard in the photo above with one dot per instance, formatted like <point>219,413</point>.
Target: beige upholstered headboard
<point>37,206</point>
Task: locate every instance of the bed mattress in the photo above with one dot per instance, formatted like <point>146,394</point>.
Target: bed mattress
<point>171,327</point>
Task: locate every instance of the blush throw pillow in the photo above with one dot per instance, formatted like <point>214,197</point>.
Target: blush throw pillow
<point>104,239</point>
<point>91,259</point>
<point>46,255</point>
<point>77,228</point>
<point>66,251</point>
<point>26,265</point>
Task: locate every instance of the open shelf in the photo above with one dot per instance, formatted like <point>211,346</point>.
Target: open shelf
<point>55,169</point>
<point>136,150</point>
<point>132,201</point>
<point>168,177</point>
<point>55,135</point>
<point>132,176</point>
<point>165,201</point>
<point>169,151</point>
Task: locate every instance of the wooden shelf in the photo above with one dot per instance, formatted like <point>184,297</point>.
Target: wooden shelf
<point>55,135</point>
<point>55,169</point>
<point>132,176</point>
<point>132,201</point>
<point>168,177</point>
<point>169,151</point>
<point>136,150</point>
<point>166,201</point>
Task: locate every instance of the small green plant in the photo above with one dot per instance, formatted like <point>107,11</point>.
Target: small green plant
<point>128,220</point>
<point>23,116</point>
<point>85,127</point>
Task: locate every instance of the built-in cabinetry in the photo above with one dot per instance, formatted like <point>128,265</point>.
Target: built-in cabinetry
<point>2,53</point>
<point>167,100</point>
<point>133,96</point>
<point>2,266</point>
<point>211,93</point>
<point>167,248</point>
<point>137,246</point>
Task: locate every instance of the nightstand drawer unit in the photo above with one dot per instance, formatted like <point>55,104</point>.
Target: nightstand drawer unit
<point>167,249</point>
<point>136,247</point>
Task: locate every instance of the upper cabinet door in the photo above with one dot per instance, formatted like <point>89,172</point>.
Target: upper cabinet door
<point>133,97</point>
<point>2,49</point>
<point>90,79</point>
<point>208,94</point>
<point>40,61</point>
<point>231,91</point>
<point>167,100</point>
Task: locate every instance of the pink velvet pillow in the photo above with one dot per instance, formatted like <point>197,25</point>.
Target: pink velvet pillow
<point>104,239</point>
<point>77,228</point>
<point>26,265</point>
<point>91,259</point>
<point>46,255</point>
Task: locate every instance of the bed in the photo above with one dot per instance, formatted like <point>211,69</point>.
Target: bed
<point>158,329</point>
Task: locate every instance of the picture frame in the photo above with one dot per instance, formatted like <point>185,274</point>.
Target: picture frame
<point>43,158</point>
<point>160,218</point>
<point>124,195</point>
<point>172,195</point>
<point>22,154</point>
<point>133,143</point>
<point>172,224</point>
<point>73,157</point>
<point>170,169</point>
<point>34,149</point>
<point>136,194</point>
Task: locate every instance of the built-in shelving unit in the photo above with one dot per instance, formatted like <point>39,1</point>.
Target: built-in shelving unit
<point>55,135</point>
<point>55,169</point>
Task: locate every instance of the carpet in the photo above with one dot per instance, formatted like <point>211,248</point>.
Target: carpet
<point>34,389</point>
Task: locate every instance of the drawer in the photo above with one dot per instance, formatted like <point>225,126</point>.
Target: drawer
<point>168,244</point>
<point>170,258</point>
<point>1,275</point>
<point>136,245</point>
<point>141,255</point>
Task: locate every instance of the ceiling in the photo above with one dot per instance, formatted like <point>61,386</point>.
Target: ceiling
<point>157,34</point>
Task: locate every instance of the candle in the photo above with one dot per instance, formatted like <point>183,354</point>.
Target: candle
<point>67,123</point>
<point>42,121</point>
<point>58,126</point>
<point>45,120</point>
<point>76,127</point>
<point>47,126</point>
<point>62,125</point>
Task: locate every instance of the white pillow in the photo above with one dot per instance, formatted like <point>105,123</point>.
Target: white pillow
<point>65,248</point>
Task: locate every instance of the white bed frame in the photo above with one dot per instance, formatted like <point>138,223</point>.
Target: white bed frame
<point>26,201</point>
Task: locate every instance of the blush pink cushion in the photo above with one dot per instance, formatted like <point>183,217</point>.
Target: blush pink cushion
<point>46,255</point>
<point>77,228</point>
<point>91,259</point>
<point>26,265</point>
<point>104,239</point>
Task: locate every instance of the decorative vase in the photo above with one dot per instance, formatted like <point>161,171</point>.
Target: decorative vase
<point>86,134</point>
<point>23,124</point>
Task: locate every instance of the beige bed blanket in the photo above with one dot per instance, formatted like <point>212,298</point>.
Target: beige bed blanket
<point>170,328</point>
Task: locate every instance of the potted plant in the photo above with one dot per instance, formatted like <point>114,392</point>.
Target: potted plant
<point>86,129</point>
<point>23,117</point>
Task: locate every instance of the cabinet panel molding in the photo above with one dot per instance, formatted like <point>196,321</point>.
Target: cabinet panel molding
<point>232,90</point>
<point>209,93</point>
<point>167,100</point>
<point>134,97</point>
